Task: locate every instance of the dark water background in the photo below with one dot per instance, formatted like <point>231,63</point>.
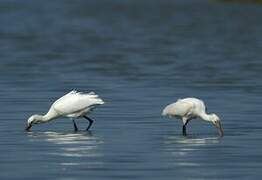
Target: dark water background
<point>138,56</point>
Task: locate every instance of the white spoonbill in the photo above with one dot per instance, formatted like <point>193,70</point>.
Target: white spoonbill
<point>73,105</point>
<point>191,108</point>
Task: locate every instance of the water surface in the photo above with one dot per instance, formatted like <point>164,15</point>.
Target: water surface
<point>138,56</point>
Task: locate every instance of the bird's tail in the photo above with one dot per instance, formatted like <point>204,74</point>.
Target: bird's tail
<point>99,101</point>
<point>96,98</point>
<point>164,113</point>
<point>91,95</point>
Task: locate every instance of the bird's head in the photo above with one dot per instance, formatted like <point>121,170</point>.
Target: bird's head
<point>34,119</point>
<point>217,123</point>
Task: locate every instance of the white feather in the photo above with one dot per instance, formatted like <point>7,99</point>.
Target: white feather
<point>190,108</point>
<point>76,103</point>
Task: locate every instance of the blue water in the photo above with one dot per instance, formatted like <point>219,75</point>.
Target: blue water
<point>138,56</point>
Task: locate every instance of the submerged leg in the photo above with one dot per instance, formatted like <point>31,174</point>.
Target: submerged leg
<point>75,126</point>
<point>185,121</point>
<point>90,122</point>
<point>184,130</point>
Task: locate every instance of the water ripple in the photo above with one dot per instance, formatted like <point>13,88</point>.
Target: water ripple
<point>72,145</point>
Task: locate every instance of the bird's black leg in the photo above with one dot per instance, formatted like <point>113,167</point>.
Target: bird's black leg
<point>184,127</point>
<point>75,126</point>
<point>184,130</point>
<point>90,122</point>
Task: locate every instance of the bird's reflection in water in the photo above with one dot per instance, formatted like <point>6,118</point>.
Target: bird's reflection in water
<point>185,149</point>
<point>72,146</point>
<point>191,140</point>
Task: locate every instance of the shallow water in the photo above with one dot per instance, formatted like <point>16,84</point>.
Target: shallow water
<point>138,56</point>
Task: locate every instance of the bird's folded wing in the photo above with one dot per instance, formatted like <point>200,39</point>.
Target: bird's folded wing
<point>72,103</point>
<point>183,108</point>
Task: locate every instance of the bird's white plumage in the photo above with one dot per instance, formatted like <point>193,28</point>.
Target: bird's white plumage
<point>190,108</point>
<point>75,103</point>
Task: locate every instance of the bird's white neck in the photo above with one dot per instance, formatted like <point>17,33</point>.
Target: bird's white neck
<point>206,117</point>
<point>47,117</point>
<point>50,115</point>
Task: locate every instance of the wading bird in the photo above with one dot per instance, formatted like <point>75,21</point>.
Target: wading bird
<point>72,105</point>
<point>191,108</point>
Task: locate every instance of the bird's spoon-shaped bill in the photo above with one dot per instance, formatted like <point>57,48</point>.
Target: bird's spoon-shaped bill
<point>219,127</point>
<point>28,127</point>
